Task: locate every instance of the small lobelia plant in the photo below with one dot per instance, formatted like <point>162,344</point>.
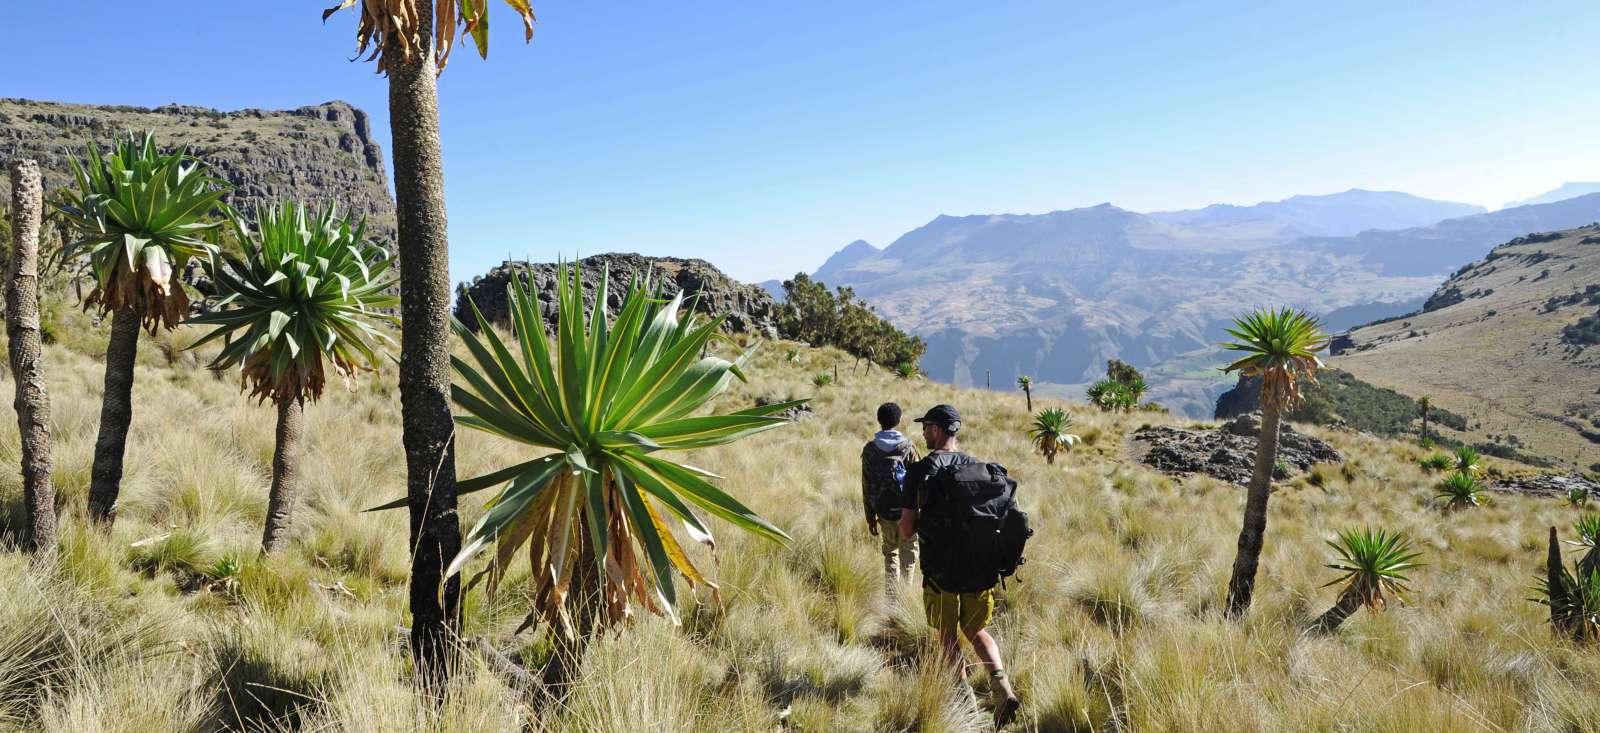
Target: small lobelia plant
<point>1436,462</point>
<point>1049,433</point>
<point>594,512</point>
<point>1372,567</point>
<point>309,289</point>
<point>906,370</point>
<point>1578,497</point>
<point>1573,596</point>
<point>821,379</point>
<point>1467,461</point>
<point>1460,490</point>
<point>1587,528</point>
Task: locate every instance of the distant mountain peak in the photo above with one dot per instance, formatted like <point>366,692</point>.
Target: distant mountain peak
<point>1330,215</point>
<point>1568,190</point>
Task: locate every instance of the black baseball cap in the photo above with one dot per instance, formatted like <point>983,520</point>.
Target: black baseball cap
<point>945,416</point>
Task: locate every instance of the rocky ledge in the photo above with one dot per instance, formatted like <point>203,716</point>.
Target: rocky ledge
<point>1228,452</point>
<point>750,308</point>
<point>1548,484</point>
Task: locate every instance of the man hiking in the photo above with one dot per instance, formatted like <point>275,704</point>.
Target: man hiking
<point>883,470</point>
<point>956,596</point>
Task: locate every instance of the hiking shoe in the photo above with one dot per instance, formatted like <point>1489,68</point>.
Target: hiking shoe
<point>1005,712</point>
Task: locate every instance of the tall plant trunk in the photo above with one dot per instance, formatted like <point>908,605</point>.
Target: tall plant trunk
<point>1424,426</point>
<point>1241,587</point>
<point>116,413</point>
<point>22,329</point>
<point>583,607</point>
<point>285,473</point>
<point>425,351</point>
<point>1349,601</point>
<point>1029,393</point>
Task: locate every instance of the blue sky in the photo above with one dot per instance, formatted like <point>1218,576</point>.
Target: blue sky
<point>763,136</point>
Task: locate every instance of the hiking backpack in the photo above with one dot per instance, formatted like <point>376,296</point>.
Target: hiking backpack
<point>886,476</point>
<point>974,533</point>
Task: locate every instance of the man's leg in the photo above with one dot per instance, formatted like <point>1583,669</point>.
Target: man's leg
<point>989,653</point>
<point>908,556</point>
<point>889,533</point>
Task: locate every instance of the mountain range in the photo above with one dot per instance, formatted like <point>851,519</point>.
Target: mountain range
<point>1055,295</point>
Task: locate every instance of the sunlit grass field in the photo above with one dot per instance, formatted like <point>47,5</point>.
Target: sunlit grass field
<point>171,623</point>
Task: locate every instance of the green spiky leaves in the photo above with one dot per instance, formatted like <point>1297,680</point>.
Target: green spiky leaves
<point>1461,490</point>
<point>139,215</point>
<point>1279,345</point>
<point>1373,565</point>
<point>311,287</point>
<point>607,399</point>
<point>1049,435</point>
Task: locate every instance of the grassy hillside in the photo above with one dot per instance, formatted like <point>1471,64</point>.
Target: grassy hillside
<point>1502,343</point>
<point>1114,626</point>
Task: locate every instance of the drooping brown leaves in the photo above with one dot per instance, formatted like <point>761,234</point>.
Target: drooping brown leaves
<point>399,22</point>
<point>154,290</point>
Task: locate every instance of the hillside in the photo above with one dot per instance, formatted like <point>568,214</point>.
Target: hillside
<point>322,153</point>
<point>1114,625</point>
<point>1056,295</point>
<point>1490,346</point>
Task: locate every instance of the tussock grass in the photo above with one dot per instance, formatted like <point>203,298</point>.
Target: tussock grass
<point>1113,624</point>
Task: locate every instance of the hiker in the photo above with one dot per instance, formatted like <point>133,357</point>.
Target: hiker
<point>957,579</point>
<point>883,471</point>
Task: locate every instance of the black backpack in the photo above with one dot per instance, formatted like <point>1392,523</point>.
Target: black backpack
<point>885,474</point>
<point>973,533</point>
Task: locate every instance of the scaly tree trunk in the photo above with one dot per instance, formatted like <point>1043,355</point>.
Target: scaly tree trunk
<point>1349,601</point>
<point>1028,391</point>
<point>1424,425</point>
<point>116,413</point>
<point>22,328</point>
<point>425,351</point>
<point>1241,587</point>
<point>583,607</point>
<point>285,474</point>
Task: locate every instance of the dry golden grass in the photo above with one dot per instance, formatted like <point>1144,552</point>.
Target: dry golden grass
<point>1114,626</point>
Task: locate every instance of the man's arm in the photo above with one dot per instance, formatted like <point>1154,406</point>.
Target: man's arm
<point>866,495</point>
<point>908,495</point>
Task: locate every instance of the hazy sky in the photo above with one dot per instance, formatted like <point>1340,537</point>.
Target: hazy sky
<point>763,136</point>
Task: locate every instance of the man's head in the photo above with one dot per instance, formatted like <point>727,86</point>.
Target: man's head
<point>888,415</point>
<point>940,425</point>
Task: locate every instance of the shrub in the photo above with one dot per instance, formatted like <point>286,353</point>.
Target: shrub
<point>822,379</point>
<point>1436,462</point>
<point>1460,490</point>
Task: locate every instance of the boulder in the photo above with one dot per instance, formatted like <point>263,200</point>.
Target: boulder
<point>749,308</point>
<point>1228,452</point>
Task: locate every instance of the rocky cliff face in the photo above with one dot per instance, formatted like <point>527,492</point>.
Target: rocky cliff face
<point>323,153</point>
<point>750,308</point>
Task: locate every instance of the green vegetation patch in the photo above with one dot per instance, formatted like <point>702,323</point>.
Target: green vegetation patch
<point>1362,406</point>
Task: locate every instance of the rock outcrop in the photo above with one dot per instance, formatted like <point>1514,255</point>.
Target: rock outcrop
<point>1548,484</point>
<point>1229,452</point>
<point>750,308</point>
<point>319,154</point>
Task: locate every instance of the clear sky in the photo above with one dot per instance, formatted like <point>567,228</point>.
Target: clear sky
<point>763,136</point>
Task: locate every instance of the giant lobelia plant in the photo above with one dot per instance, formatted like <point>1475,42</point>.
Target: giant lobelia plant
<point>607,401</point>
<point>310,289</point>
<point>137,215</point>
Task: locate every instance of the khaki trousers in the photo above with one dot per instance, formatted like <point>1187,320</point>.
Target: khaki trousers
<point>899,553</point>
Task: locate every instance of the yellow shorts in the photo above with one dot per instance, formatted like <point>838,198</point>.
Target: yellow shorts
<point>969,612</point>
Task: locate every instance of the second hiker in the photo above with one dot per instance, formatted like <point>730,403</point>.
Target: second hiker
<point>883,470</point>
